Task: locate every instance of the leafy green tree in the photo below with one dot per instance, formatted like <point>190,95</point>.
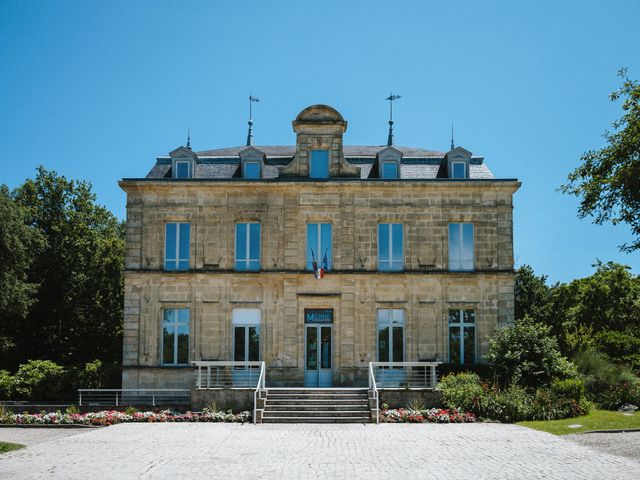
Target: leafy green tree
<point>532,294</point>
<point>18,242</point>
<point>525,354</point>
<point>77,316</point>
<point>608,180</point>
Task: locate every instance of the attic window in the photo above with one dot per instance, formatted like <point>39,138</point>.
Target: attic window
<point>390,170</point>
<point>251,170</point>
<point>458,170</point>
<point>182,169</point>
<point>319,167</point>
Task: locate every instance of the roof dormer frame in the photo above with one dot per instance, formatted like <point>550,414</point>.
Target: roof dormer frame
<point>458,155</point>
<point>388,155</point>
<point>183,155</point>
<point>251,155</point>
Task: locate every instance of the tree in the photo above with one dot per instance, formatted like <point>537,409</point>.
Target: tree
<point>77,316</point>
<point>531,294</point>
<point>18,242</point>
<point>608,180</point>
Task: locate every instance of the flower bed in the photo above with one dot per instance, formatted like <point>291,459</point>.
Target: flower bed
<point>434,415</point>
<point>111,417</point>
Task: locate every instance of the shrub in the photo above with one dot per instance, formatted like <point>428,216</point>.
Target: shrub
<point>621,347</point>
<point>568,388</point>
<point>6,385</point>
<point>484,371</point>
<point>525,354</point>
<point>509,405</point>
<point>91,376</point>
<point>462,391</point>
<point>40,380</point>
<point>618,394</point>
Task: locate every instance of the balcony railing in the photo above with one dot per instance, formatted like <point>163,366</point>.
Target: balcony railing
<point>404,374</point>
<point>93,397</point>
<point>219,374</point>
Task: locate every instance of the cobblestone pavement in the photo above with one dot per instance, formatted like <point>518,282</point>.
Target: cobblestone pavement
<point>228,451</point>
<point>32,436</point>
<point>626,444</point>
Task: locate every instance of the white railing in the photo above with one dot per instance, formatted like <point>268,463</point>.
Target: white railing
<point>217,374</point>
<point>132,396</point>
<point>421,375</point>
<point>257,393</point>
<point>373,387</point>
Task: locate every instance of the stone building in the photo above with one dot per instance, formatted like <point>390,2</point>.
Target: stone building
<point>224,248</point>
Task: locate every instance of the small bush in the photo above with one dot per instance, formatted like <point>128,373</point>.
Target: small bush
<point>510,405</point>
<point>618,394</point>
<point>40,380</point>
<point>568,388</point>
<point>92,375</point>
<point>462,391</point>
<point>621,347</point>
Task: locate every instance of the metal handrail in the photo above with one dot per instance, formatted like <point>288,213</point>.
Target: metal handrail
<point>223,377</point>
<point>404,375</point>
<point>177,395</point>
<point>374,388</point>
<point>260,386</point>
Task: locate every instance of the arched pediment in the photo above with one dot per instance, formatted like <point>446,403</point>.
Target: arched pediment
<point>319,114</point>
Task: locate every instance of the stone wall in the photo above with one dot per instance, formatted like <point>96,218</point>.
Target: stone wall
<point>426,290</point>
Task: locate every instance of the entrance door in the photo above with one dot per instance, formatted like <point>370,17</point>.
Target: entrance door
<point>318,356</point>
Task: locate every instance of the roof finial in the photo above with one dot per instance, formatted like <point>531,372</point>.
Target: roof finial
<point>452,145</point>
<point>189,138</point>
<point>391,99</point>
<point>250,134</point>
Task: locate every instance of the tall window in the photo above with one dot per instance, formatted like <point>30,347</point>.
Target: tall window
<point>390,170</point>
<point>251,170</point>
<point>182,169</point>
<point>461,250</point>
<point>175,336</point>
<point>246,334</point>
<point>458,170</point>
<point>319,245</point>
<point>390,248</point>
<point>462,336</point>
<point>390,335</point>
<point>319,164</point>
<point>176,246</point>
<point>247,246</point>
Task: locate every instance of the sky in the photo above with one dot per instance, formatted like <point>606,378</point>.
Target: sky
<point>96,90</point>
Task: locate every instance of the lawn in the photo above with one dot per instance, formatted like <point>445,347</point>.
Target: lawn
<point>596,420</point>
<point>7,447</point>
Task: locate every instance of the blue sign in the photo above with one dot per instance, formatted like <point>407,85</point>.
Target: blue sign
<point>318,315</point>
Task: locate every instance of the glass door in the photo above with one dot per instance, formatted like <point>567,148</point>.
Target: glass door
<point>318,356</point>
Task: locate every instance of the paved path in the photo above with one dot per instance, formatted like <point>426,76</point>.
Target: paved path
<point>33,436</point>
<point>228,451</point>
<point>626,444</point>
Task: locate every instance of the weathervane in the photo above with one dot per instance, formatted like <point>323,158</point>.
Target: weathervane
<point>391,99</point>
<point>189,138</point>
<point>250,134</point>
<point>452,145</point>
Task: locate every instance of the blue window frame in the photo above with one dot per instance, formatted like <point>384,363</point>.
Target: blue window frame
<point>462,336</point>
<point>319,240</point>
<point>461,247</point>
<point>176,246</point>
<point>319,164</point>
<point>459,170</point>
<point>390,170</point>
<point>182,169</point>
<point>390,247</point>
<point>251,170</point>
<point>247,246</point>
<point>175,336</point>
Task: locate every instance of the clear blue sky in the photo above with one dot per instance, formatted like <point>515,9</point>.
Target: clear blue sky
<point>95,90</point>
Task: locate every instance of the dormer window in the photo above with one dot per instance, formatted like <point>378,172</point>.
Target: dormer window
<point>390,170</point>
<point>458,170</point>
<point>319,164</point>
<point>182,169</point>
<point>251,170</point>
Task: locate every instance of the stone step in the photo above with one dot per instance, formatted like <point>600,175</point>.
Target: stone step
<point>303,402</point>
<point>354,419</point>
<point>311,408</point>
<point>315,413</point>
<point>286,396</point>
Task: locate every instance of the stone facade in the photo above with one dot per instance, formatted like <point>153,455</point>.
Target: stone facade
<point>425,290</point>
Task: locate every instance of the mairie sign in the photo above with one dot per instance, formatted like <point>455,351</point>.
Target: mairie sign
<point>318,315</point>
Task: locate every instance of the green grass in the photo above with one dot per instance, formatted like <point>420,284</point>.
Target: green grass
<point>7,447</point>
<point>596,420</point>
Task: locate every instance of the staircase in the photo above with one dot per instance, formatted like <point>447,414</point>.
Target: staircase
<point>316,405</point>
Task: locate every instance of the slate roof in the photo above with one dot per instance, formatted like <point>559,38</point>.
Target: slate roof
<point>224,163</point>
